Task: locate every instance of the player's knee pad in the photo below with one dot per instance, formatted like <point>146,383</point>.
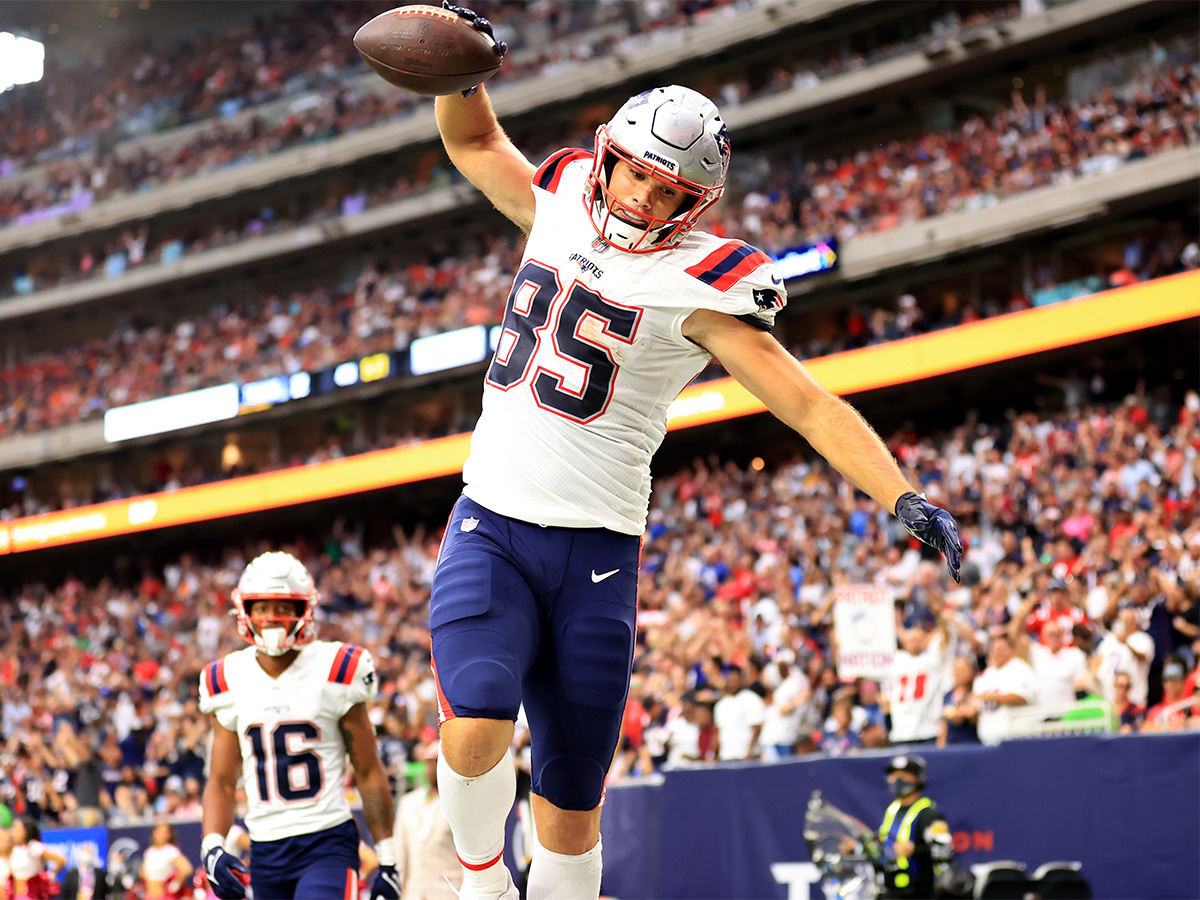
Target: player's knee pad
<point>571,782</point>
<point>483,688</point>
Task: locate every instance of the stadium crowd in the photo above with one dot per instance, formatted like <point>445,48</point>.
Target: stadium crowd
<point>152,85</point>
<point>1017,149</point>
<point>247,346</point>
<point>782,202</point>
<point>1083,547</point>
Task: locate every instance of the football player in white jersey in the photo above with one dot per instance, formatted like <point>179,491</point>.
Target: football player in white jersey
<point>619,302</point>
<point>287,713</point>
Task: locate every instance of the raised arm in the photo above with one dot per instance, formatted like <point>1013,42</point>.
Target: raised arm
<point>480,149</point>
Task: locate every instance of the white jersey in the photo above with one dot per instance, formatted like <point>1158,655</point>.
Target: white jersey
<point>591,354</point>
<point>293,755</point>
<point>916,688</point>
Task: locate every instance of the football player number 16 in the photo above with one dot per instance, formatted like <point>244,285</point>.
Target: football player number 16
<point>536,305</point>
<point>283,769</point>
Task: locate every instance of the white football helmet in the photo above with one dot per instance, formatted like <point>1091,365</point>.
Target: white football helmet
<point>670,133</point>
<point>276,576</point>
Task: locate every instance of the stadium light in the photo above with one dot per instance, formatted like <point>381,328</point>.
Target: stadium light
<point>22,60</point>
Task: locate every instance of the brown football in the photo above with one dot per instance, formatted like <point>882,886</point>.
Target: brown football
<point>427,50</point>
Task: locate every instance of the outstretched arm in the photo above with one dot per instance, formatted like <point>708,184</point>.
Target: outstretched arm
<point>830,424</point>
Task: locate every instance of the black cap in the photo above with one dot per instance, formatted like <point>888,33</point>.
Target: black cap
<point>908,763</point>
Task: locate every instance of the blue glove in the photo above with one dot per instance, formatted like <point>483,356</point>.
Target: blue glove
<point>386,885</point>
<point>226,874</point>
<point>932,525</point>
<point>480,24</point>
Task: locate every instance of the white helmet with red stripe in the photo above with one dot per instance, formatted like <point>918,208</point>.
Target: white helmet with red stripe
<point>670,133</point>
<point>276,576</point>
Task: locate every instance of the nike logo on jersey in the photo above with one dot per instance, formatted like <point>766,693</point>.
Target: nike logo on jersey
<point>468,524</point>
<point>596,579</point>
<point>775,279</point>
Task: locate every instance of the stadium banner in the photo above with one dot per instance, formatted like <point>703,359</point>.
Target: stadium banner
<point>1164,300</point>
<point>78,843</point>
<point>864,624</point>
<point>1124,806</point>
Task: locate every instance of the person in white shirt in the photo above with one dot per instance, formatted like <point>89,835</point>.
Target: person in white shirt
<point>1126,649</point>
<point>739,715</point>
<point>1059,668</point>
<point>683,736</point>
<point>427,863</point>
<point>1007,682</point>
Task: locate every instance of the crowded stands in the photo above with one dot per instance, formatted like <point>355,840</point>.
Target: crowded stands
<point>1081,530</point>
<point>1019,148</point>
<point>982,161</point>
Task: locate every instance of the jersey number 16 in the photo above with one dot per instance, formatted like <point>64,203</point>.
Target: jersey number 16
<point>296,775</point>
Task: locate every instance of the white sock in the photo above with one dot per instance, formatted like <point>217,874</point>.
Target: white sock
<point>559,876</point>
<point>477,809</point>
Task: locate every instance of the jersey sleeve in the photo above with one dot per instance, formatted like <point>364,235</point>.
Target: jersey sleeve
<point>353,671</point>
<point>549,174</point>
<point>215,696</point>
<point>742,281</point>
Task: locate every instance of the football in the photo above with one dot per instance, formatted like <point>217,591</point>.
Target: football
<point>427,50</point>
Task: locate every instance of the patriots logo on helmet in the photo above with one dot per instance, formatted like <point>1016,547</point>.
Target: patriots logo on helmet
<point>723,142</point>
<point>767,299</point>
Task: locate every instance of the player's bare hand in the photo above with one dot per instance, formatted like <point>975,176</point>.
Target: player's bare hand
<point>932,525</point>
<point>905,848</point>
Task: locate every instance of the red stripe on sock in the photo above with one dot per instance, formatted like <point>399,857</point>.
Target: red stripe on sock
<point>480,867</point>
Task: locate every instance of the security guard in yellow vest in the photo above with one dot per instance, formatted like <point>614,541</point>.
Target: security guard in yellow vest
<point>916,839</point>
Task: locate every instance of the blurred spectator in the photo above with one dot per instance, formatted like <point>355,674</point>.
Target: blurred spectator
<point>739,716</point>
<point>959,712</point>
<point>838,738</point>
<point>1007,682</point>
<point>165,870</point>
<point>427,862</point>
<point>1175,708</point>
<point>1126,648</point>
<point>1129,715</point>
<point>1060,669</point>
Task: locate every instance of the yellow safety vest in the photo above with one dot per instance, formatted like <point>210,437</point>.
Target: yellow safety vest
<point>902,877</point>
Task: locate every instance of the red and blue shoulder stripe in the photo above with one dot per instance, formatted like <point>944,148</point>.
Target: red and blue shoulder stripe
<point>728,264</point>
<point>345,661</point>
<point>550,174</point>
<point>214,678</point>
